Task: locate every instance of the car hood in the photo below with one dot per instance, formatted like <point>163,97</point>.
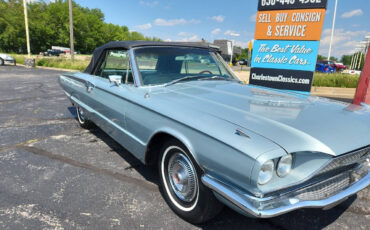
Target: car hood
<point>295,122</point>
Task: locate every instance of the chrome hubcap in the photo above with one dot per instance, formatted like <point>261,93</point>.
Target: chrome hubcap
<point>182,177</point>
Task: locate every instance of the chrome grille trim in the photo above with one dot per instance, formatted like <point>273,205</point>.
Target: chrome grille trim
<point>325,189</point>
<point>346,159</point>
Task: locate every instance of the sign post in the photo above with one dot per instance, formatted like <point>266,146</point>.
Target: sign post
<point>287,42</point>
<point>250,47</point>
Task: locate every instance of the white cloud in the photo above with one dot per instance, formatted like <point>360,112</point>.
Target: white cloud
<point>218,18</point>
<point>253,17</point>
<point>344,41</point>
<point>144,26</point>
<point>353,13</point>
<point>174,22</point>
<point>183,34</point>
<point>241,44</point>
<point>231,33</point>
<point>168,40</point>
<point>149,3</point>
<point>191,39</point>
<point>216,31</point>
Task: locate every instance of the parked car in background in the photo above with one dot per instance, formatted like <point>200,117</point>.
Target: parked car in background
<point>352,72</point>
<point>7,59</point>
<point>339,67</point>
<point>243,62</point>
<point>53,52</point>
<point>324,68</point>
<point>215,140</point>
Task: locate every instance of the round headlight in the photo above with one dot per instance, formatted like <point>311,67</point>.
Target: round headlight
<point>266,172</point>
<point>284,166</point>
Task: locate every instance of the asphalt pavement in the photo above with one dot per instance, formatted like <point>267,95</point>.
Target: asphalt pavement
<point>55,175</point>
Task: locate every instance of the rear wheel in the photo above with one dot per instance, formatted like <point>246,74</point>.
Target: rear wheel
<point>15,62</point>
<point>181,185</point>
<point>81,117</point>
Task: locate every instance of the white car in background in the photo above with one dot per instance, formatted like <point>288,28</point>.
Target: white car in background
<point>352,72</point>
<point>6,59</point>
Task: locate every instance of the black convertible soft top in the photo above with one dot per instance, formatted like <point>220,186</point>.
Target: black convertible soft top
<point>132,44</point>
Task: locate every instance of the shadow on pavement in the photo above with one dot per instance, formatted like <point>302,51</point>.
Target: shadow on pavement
<point>229,219</point>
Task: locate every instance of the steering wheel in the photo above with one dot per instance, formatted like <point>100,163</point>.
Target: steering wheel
<point>205,71</point>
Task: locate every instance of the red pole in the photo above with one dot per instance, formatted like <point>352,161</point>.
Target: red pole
<point>363,89</point>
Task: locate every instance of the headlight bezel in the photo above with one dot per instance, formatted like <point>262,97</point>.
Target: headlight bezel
<point>288,161</point>
<point>270,164</point>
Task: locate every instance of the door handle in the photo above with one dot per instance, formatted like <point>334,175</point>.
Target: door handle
<point>89,87</point>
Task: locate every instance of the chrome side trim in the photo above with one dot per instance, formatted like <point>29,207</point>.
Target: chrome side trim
<point>254,206</point>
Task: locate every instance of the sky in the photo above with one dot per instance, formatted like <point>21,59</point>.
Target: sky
<point>192,20</point>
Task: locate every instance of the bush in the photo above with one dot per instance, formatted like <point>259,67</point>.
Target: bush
<point>62,63</point>
<point>336,80</point>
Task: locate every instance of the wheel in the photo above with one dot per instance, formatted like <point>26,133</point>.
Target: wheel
<point>1,61</point>
<point>181,185</point>
<point>81,117</point>
<point>15,62</point>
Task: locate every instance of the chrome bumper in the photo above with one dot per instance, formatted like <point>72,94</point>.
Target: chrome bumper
<point>278,205</point>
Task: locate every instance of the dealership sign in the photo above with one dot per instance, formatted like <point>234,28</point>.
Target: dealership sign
<point>295,80</point>
<point>290,24</point>
<point>291,4</point>
<point>297,55</point>
<point>287,42</point>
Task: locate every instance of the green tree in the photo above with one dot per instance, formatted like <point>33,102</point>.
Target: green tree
<point>346,59</point>
<point>49,25</point>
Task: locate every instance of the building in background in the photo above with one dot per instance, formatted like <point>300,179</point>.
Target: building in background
<point>224,48</point>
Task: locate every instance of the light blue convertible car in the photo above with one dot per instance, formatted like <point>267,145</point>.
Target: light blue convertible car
<point>215,140</point>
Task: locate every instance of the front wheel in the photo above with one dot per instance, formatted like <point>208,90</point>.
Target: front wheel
<point>181,186</point>
<point>81,117</point>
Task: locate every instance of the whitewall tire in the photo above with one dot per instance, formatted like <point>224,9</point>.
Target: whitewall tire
<point>181,185</point>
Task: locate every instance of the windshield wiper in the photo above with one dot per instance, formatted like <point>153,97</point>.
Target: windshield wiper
<point>220,78</point>
<point>183,79</point>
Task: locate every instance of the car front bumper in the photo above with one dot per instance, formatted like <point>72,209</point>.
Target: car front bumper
<point>279,204</point>
<point>9,61</point>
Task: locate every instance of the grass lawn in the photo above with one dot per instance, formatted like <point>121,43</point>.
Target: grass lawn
<point>80,63</point>
<point>335,80</point>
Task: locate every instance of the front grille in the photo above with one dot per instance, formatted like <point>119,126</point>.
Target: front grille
<point>325,188</point>
<point>346,160</point>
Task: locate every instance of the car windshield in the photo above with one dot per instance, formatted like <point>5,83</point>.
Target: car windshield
<point>166,65</point>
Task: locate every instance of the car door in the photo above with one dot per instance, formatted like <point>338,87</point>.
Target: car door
<point>110,99</point>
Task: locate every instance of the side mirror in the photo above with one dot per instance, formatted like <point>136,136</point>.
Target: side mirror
<point>116,79</point>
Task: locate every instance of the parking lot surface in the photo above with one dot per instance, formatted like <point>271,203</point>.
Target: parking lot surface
<point>55,175</point>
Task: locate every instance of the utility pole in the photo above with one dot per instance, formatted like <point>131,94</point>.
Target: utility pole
<point>332,30</point>
<point>72,48</point>
<point>26,26</point>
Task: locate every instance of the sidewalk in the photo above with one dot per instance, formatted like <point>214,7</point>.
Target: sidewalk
<point>347,93</point>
